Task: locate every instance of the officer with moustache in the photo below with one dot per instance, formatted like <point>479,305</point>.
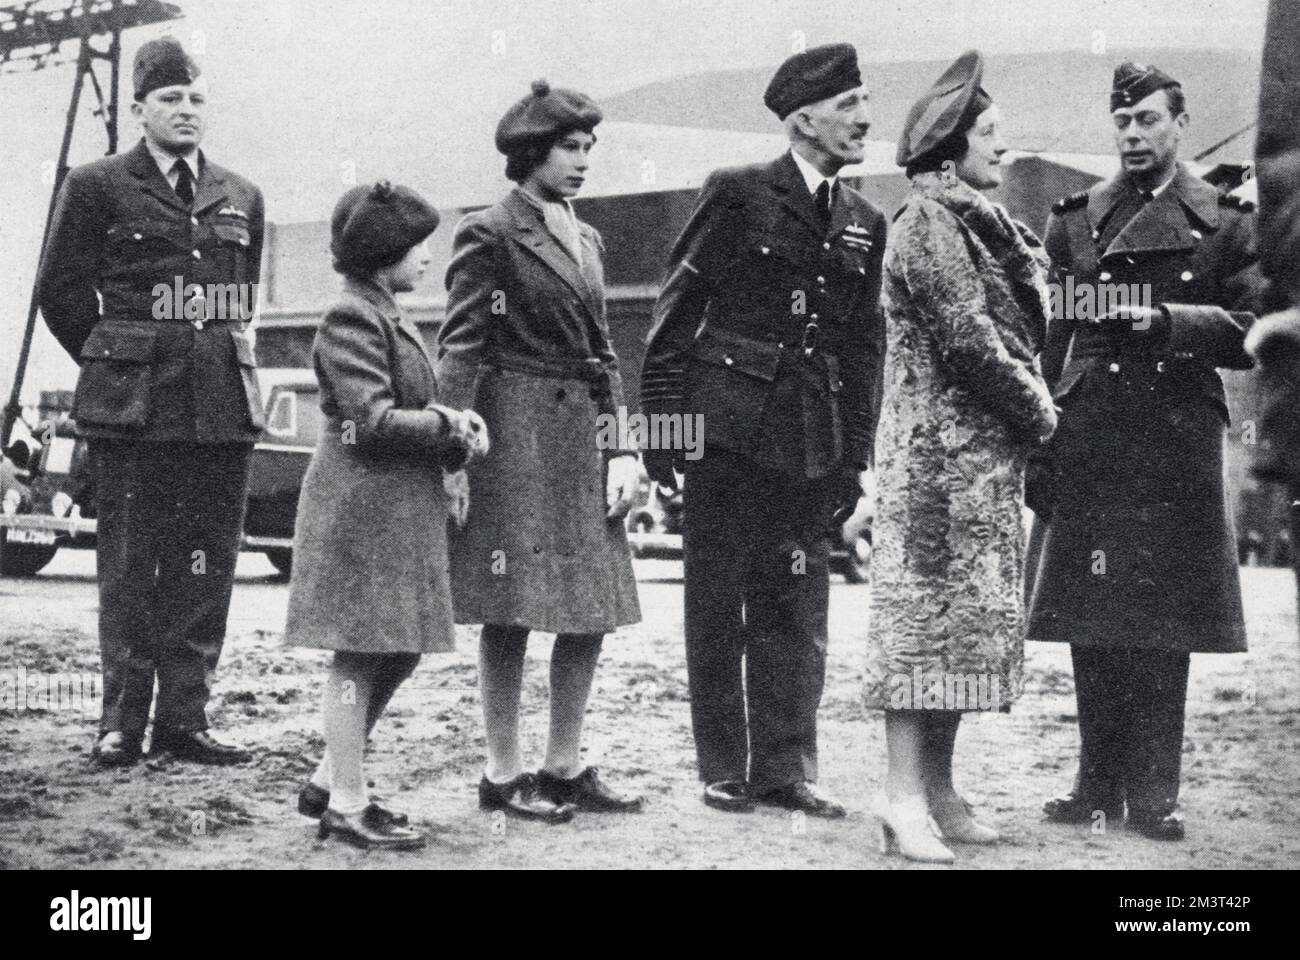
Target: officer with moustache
<point>768,327</point>
<point>166,399</point>
<point>1138,565</point>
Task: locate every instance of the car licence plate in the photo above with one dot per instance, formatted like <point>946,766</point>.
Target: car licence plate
<point>42,538</point>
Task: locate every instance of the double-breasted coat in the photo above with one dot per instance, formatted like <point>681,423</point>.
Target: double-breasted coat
<point>1140,550</point>
<point>526,344</point>
<point>966,305</point>
<point>370,542</point>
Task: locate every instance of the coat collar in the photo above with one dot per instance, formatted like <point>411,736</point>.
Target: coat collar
<point>1165,223</point>
<point>386,304</point>
<point>531,231</point>
<point>210,190</point>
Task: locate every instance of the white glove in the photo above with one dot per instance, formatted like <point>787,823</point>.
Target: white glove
<point>622,479</point>
<point>456,484</point>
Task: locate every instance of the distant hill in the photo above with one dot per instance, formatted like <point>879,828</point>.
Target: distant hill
<point>1050,101</point>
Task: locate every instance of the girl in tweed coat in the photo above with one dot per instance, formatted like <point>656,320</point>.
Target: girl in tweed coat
<point>964,404</point>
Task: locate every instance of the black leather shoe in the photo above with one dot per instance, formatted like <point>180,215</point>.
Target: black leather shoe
<point>370,830</point>
<point>586,792</point>
<point>197,746</point>
<point>805,796</point>
<point>1157,826</point>
<point>729,795</point>
<point>521,799</point>
<point>1073,809</point>
<point>313,801</point>
<point>114,750</point>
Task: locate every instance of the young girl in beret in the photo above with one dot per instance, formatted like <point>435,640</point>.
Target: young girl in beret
<point>370,578</point>
<point>543,546</point>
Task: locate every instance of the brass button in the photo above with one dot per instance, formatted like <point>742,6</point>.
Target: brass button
<point>821,279</point>
<point>813,317</point>
<point>728,360</point>
<point>1196,234</point>
<point>136,236</point>
<point>1114,368</point>
<point>1185,275</point>
<point>194,220</point>
<point>826,246</point>
<point>1160,366</point>
<point>197,255</point>
<point>1104,276</point>
<point>766,250</point>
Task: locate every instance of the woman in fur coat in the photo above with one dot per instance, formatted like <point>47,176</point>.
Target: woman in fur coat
<point>964,405</point>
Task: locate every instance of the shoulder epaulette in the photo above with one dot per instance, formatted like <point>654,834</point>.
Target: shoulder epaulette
<point>1235,202</point>
<point>1073,202</point>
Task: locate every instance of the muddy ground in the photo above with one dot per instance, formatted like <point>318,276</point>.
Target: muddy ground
<point>1241,763</point>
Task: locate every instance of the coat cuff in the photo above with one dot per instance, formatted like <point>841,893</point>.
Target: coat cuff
<point>1208,333</point>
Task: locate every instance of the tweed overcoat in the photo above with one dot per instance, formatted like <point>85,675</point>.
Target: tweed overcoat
<point>526,345</point>
<point>964,404</point>
<point>370,543</point>
<point>1140,549</point>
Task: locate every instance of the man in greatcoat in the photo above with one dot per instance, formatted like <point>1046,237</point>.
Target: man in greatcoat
<point>768,328</point>
<point>166,400</point>
<point>1138,567</point>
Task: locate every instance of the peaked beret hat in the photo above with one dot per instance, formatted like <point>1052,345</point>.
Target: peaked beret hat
<point>954,100</point>
<point>545,112</point>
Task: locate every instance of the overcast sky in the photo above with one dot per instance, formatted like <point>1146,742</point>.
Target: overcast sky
<point>344,71</point>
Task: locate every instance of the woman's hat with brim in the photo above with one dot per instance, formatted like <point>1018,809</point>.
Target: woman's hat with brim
<point>375,225</point>
<point>545,113</point>
<point>955,98</point>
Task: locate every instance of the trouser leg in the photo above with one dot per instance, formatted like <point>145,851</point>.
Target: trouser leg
<point>1099,679</point>
<point>716,545</point>
<point>1157,705</point>
<point>786,608</point>
<point>130,504</point>
<point>207,493</point>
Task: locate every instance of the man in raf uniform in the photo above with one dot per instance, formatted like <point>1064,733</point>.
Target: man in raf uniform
<point>1138,565</point>
<point>166,400</point>
<point>768,328</point>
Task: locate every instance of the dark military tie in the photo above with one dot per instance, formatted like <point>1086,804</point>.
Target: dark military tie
<point>823,203</point>
<point>184,183</point>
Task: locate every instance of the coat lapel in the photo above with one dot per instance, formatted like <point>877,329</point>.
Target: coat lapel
<point>386,305</point>
<point>1162,224</point>
<point>788,184</point>
<point>145,169</point>
<point>532,234</point>
<point>211,187</point>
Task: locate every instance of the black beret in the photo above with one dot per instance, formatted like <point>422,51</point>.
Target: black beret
<point>1134,82</point>
<point>949,106</point>
<point>546,112</point>
<point>814,74</point>
<point>162,63</point>
<point>375,225</point>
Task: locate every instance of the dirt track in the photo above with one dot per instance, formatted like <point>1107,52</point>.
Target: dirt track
<point>1241,764</point>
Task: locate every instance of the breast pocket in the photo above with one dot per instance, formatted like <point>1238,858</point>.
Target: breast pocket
<point>134,241</point>
<point>116,377</point>
<point>233,240</point>
<point>248,377</point>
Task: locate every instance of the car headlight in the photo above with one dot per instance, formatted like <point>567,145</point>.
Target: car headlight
<point>61,504</point>
<point>12,501</point>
